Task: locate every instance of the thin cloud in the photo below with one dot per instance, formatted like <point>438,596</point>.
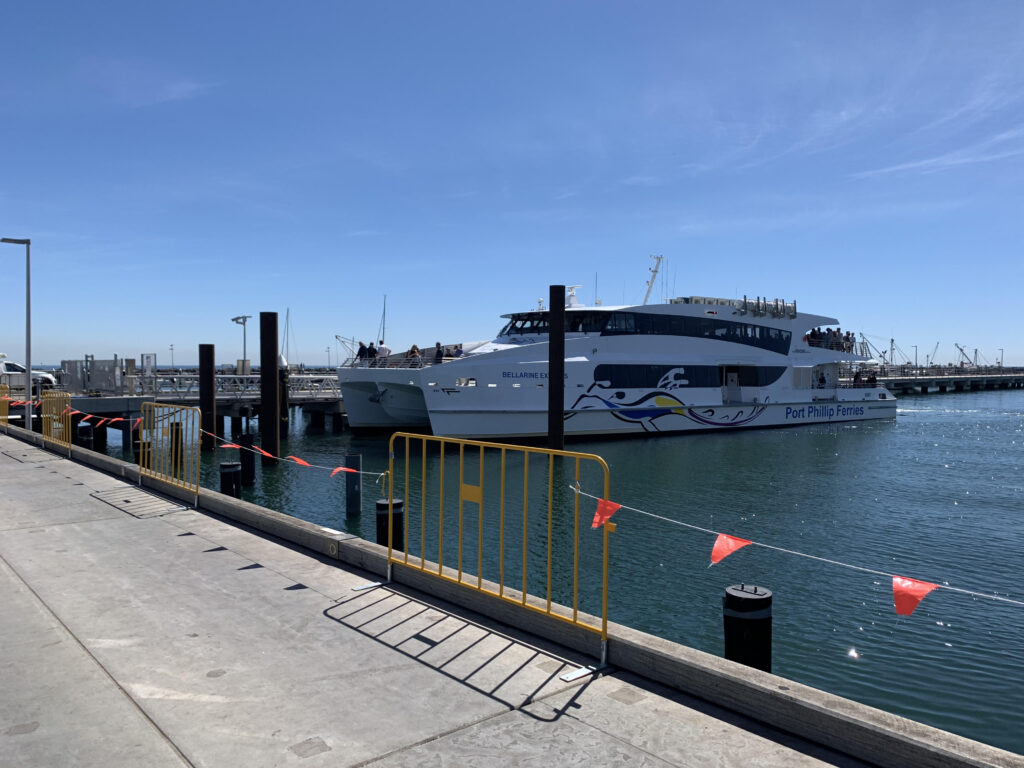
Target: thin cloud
<point>135,83</point>
<point>989,150</point>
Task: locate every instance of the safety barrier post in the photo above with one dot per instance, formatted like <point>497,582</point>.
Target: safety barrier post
<point>556,563</point>
<point>55,419</point>
<point>169,445</point>
<point>5,404</point>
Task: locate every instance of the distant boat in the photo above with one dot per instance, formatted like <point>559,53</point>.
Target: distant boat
<point>693,363</point>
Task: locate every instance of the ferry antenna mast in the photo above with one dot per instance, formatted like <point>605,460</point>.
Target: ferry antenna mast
<point>654,274</point>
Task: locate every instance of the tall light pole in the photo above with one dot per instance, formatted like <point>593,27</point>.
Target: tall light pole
<point>28,323</point>
<point>328,358</point>
<point>915,355</point>
<point>172,356</point>
<point>1000,357</point>
<point>241,320</point>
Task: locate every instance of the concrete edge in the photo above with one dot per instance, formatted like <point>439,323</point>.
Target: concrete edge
<point>846,726</point>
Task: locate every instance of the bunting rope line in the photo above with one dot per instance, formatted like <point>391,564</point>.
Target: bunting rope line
<point>295,459</point>
<point>579,491</point>
<point>379,476</point>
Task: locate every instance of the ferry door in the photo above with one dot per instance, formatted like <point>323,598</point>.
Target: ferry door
<point>731,388</point>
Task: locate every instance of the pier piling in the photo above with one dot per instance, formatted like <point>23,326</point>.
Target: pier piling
<point>207,397</point>
<point>556,367</point>
<point>354,484</point>
<point>747,624</point>
<point>270,417</point>
<point>248,460</point>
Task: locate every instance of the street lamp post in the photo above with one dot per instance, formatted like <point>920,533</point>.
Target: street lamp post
<point>915,355</point>
<point>1000,358</point>
<point>241,320</point>
<point>28,323</point>
<point>172,357</point>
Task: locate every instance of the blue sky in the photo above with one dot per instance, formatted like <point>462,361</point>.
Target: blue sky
<point>178,165</point>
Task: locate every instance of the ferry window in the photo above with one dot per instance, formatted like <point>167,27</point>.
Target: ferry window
<point>621,322</point>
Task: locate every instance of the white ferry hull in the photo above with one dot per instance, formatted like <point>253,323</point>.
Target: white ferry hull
<point>492,424</point>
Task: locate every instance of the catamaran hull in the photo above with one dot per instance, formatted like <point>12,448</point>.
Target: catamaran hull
<point>380,405</point>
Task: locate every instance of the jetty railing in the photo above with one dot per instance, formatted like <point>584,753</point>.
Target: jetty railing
<point>502,520</point>
<point>169,445</point>
<point>5,404</point>
<point>56,419</point>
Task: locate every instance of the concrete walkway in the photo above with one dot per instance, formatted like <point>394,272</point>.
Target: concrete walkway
<point>137,633</point>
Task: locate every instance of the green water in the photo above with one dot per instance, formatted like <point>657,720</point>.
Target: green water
<point>936,494</point>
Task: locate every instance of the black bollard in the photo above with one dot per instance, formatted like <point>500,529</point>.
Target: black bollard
<point>248,460</point>
<point>747,619</point>
<point>231,478</point>
<point>136,444</point>
<point>354,484</point>
<point>397,524</point>
<point>99,439</point>
<point>85,435</point>
<point>126,434</point>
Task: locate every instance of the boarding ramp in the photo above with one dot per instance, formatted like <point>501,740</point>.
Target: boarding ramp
<point>505,521</point>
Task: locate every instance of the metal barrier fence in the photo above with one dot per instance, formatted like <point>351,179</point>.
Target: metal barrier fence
<point>56,418</point>
<point>5,404</point>
<point>169,445</point>
<point>526,546</point>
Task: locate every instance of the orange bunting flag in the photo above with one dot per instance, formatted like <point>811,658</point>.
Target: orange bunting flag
<point>114,421</point>
<point>86,417</point>
<point>137,422</point>
<point>725,545</point>
<point>38,404</point>
<point>230,445</point>
<point>341,469</point>
<point>907,593</point>
<point>297,460</point>
<point>605,510</point>
<point>75,413</point>
<point>101,422</point>
<point>268,455</point>
<point>66,411</point>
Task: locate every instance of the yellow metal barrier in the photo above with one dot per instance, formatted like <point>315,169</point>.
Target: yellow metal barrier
<point>527,547</point>
<point>5,404</point>
<point>169,445</point>
<point>56,417</point>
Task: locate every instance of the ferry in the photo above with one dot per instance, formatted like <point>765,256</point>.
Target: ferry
<point>691,364</point>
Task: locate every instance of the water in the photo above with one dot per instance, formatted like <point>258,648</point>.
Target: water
<point>935,495</point>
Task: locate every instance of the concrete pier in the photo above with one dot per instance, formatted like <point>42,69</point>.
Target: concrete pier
<point>140,632</point>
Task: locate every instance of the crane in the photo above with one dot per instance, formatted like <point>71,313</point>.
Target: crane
<point>931,358</point>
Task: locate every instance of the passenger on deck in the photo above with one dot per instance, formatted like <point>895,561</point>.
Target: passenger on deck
<point>371,355</point>
<point>361,354</point>
<point>415,356</point>
<point>856,379</point>
<point>383,350</point>
<point>458,350</point>
<point>438,352</point>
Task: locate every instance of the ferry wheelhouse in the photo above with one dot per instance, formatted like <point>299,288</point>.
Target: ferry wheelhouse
<point>692,363</point>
